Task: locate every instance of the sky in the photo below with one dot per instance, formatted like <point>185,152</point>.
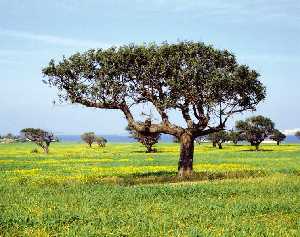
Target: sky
<point>263,34</point>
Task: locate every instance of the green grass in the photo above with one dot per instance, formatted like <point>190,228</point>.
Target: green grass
<point>121,191</point>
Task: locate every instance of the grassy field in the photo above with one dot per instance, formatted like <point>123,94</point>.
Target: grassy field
<point>121,191</point>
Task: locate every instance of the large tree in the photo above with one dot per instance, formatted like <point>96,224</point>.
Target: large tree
<point>204,85</point>
<point>255,129</point>
<point>40,137</point>
<point>277,136</point>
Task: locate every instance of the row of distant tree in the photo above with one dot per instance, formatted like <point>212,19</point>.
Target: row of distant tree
<point>253,130</point>
<point>44,138</point>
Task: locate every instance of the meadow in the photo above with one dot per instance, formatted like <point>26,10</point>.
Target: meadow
<point>120,190</point>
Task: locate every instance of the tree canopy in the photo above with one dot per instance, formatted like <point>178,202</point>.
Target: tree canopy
<point>205,85</point>
<point>235,136</point>
<point>255,129</point>
<point>89,138</point>
<point>40,137</point>
<point>218,138</point>
<point>277,136</point>
<point>147,139</point>
<point>101,141</point>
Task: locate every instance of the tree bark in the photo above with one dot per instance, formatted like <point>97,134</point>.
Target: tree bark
<point>149,149</point>
<point>46,149</point>
<point>214,144</point>
<point>185,164</point>
<point>220,145</point>
<point>278,143</point>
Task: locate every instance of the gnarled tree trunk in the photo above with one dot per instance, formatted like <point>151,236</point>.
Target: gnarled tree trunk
<point>185,164</point>
<point>149,149</point>
<point>46,149</point>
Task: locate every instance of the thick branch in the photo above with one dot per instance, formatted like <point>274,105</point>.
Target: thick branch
<point>166,128</point>
<point>185,114</point>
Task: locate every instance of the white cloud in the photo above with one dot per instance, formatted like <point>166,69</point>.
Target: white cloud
<point>291,131</point>
<point>51,39</point>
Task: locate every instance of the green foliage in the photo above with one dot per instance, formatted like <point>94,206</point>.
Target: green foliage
<point>117,73</point>
<point>40,137</point>
<point>101,141</point>
<point>148,139</point>
<point>190,77</point>
<point>235,137</point>
<point>89,138</point>
<point>218,138</point>
<point>255,129</point>
<point>277,136</point>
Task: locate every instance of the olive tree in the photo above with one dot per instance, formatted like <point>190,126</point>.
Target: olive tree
<point>204,85</point>
<point>147,139</point>
<point>255,129</point>
<point>217,138</point>
<point>89,138</point>
<point>40,137</point>
<point>101,141</point>
<point>277,136</point>
<point>235,137</point>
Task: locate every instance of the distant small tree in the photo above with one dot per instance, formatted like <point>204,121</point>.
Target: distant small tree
<point>297,134</point>
<point>40,137</point>
<point>89,138</point>
<point>9,136</point>
<point>235,137</point>
<point>277,136</point>
<point>218,138</point>
<point>148,139</point>
<point>101,141</point>
<point>255,129</point>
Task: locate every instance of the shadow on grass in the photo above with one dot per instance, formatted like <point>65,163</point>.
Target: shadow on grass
<point>153,152</point>
<point>150,178</point>
<point>164,177</point>
<point>260,150</point>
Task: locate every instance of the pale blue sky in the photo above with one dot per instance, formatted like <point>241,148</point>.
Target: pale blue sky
<point>264,34</point>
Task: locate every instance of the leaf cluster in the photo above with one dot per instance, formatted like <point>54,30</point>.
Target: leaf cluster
<point>148,139</point>
<point>277,136</point>
<point>255,129</point>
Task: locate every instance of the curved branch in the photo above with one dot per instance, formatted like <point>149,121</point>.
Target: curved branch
<point>163,127</point>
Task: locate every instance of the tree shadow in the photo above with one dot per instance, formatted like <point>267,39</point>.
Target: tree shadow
<point>170,177</point>
<point>153,152</point>
<point>260,150</point>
